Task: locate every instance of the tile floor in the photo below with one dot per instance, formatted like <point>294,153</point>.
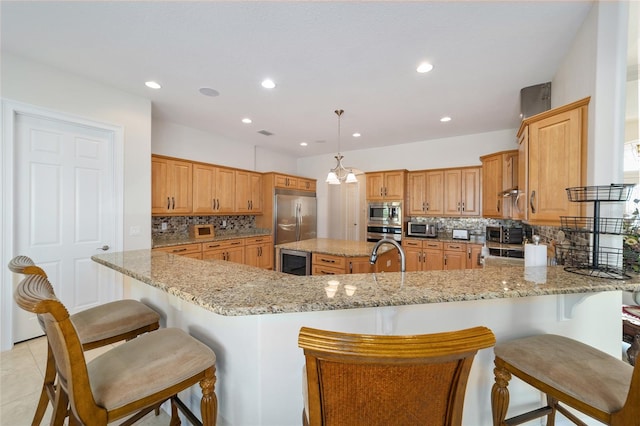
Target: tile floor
<point>21,375</point>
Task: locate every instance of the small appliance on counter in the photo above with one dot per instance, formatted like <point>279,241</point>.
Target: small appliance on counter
<point>421,229</point>
<point>460,234</point>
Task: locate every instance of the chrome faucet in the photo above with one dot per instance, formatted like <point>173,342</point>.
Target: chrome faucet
<point>374,253</point>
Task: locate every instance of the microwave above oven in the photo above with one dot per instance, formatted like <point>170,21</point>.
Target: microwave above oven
<point>389,213</point>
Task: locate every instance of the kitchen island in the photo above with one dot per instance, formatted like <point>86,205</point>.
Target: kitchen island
<point>251,318</point>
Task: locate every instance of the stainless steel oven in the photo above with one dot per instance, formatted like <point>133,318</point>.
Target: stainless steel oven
<point>385,213</point>
<point>376,233</point>
<point>295,262</point>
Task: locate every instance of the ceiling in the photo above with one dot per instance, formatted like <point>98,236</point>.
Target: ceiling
<point>358,56</point>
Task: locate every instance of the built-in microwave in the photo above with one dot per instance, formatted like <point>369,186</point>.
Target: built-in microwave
<point>385,213</point>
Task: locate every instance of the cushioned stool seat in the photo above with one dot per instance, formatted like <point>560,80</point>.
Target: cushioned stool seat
<point>567,371</point>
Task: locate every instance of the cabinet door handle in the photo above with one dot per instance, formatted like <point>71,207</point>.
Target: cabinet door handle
<point>533,196</point>
<point>173,203</point>
<point>479,263</point>
<point>235,243</point>
<point>327,260</point>
<point>517,202</point>
<point>168,203</point>
<point>498,206</point>
<point>178,250</point>
<point>427,206</point>
<point>458,206</point>
<point>381,192</point>
<point>463,206</point>
<point>327,272</point>
<point>445,260</point>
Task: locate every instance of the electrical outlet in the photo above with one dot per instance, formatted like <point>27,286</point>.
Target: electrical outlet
<point>224,223</point>
<point>164,226</point>
<point>388,263</point>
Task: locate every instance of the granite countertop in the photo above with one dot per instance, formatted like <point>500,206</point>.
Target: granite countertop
<point>231,289</point>
<point>219,236</point>
<point>345,248</point>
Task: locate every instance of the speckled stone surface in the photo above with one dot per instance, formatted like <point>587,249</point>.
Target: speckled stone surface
<point>219,236</point>
<point>335,247</point>
<point>231,289</point>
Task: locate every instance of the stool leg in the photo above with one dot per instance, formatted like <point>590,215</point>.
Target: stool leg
<point>500,395</point>
<point>175,418</point>
<point>209,402</point>
<point>553,404</point>
<point>48,388</point>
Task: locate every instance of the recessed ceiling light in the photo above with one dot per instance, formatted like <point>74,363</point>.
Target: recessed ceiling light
<point>303,144</point>
<point>208,91</point>
<point>445,119</point>
<point>356,135</point>
<point>424,67</point>
<point>247,121</point>
<point>152,85</point>
<point>268,84</point>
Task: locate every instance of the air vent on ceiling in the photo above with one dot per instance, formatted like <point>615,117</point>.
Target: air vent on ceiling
<point>265,132</point>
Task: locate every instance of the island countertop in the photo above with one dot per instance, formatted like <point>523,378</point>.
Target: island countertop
<point>231,289</point>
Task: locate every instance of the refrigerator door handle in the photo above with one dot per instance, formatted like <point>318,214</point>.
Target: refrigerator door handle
<point>298,221</point>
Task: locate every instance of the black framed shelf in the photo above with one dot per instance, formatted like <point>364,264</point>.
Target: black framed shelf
<point>590,258</point>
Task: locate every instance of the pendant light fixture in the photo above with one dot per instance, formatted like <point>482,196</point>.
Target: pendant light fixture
<point>339,173</point>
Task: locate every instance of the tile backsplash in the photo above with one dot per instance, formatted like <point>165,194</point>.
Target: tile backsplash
<point>179,225</point>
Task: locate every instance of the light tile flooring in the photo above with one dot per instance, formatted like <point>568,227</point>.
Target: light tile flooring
<point>21,375</point>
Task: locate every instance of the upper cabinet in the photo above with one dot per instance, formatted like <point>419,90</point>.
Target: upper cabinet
<point>462,191</point>
<point>294,182</point>
<point>248,192</point>
<point>213,189</point>
<point>389,185</point>
<point>426,193</point>
<point>171,183</point>
<point>499,177</point>
<point>556,154</point>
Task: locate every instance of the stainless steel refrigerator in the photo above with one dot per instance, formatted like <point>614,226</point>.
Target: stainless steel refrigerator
<point>295,216</point>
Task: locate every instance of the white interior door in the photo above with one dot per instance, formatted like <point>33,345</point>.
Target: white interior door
<point>64,210</point>
<point>352,219</point>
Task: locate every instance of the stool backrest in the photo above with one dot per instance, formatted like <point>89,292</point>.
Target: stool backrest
<point>380,380</point>
<point>24,265</point>
<point>35,294</point>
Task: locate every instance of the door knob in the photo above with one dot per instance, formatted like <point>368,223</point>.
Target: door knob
<point>104,248</point>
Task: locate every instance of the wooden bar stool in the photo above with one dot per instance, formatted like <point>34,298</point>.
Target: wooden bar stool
<point>132,378</point>
<point>96,327</point>
<point>370,380</point>
<point>569,372</point>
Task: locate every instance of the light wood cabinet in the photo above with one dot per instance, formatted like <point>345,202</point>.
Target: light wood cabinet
<point>307,184</point>
<point>423,255</point>
<point>474,256</point>
<point>193,251</point>
<point>326,264</point>
<point>426,193</point>
<point>248,194</point>
<point>389,185</point>
<point>213,189</point>
<point>259,252</point>
<point>462,191</point>
<point>229,250</point>
<point>171,183</point>
<point>520,210</point>
<point>284,181</point>
<point>455,256</point>
<point>499,174</point>
<point>556,160</point>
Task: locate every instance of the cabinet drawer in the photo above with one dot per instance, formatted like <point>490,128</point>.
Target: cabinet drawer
<point>436,245</point>
<point>455,246</point>
<point>411,243</point>
<point>217,245</point>
<point>329,260</point>
<point>181,249</point>
<point>326,270</point>
<point>259,240</point>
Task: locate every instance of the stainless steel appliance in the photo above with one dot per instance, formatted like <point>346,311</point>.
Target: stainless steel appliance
<point>295,216</point>
<point>421,229</point>
<point>295,262</point>
<point>385,213</point>
<point>504,234</point>
<point>377,232</point>
<point>506,251</point>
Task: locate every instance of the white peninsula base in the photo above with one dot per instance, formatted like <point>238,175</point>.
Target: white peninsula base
<point>259,365</point>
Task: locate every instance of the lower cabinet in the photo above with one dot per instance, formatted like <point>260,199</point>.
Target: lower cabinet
<point>326,264</point>
<point>258,252</point>
<point>229,250</point>
<point>432,255</point>
<point>188,250</point>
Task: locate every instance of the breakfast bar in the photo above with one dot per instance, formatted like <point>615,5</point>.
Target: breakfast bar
<point>251,319</point>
